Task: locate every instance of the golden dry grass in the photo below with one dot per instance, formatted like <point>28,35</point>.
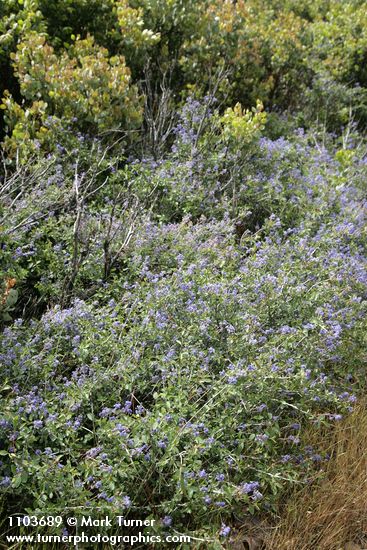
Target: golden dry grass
<point>331,515</point>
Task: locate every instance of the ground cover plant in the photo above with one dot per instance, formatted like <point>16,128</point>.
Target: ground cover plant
<point>183,268</point>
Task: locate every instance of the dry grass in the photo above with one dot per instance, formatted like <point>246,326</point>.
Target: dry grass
<point>332,514</point>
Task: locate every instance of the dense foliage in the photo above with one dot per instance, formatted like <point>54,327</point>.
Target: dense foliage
<point>182,269</point>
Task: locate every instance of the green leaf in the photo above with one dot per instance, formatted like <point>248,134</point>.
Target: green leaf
<point>12,297</point>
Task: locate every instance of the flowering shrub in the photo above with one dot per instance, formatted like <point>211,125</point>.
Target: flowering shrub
<point>182,285</point>
<point>178,384</point>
